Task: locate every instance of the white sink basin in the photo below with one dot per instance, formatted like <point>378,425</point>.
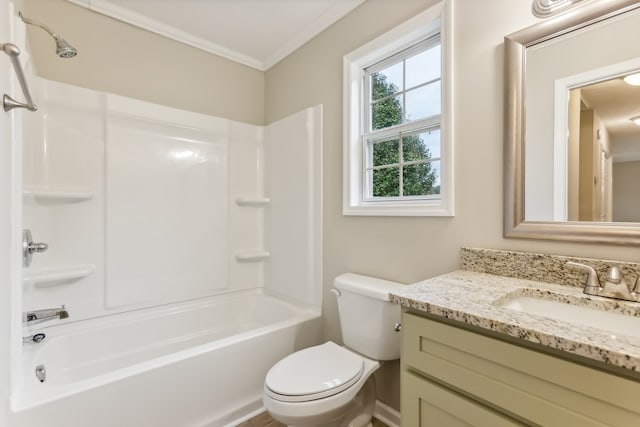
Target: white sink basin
<point>612,322</point>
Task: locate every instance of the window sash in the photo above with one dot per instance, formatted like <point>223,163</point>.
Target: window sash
<point>424,45</point>
<point>397,133</point>
<point>370,136</point>
<point>424,123</point>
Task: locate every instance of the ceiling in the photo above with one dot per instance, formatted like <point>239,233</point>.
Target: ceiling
<point>257,33</point>
<point>615,103</point>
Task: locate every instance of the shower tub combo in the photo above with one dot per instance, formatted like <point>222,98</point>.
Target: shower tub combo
<point>182,330</point>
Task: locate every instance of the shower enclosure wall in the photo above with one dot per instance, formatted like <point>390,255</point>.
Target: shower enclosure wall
<point>159,221</point>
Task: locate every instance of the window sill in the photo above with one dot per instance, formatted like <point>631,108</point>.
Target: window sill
<point>397,209</point>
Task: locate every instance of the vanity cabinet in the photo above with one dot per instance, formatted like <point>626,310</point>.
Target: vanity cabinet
<point>454,376</point>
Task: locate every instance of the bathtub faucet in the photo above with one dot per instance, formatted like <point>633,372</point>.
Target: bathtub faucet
<point>37,316</point>
<point>35,338</point>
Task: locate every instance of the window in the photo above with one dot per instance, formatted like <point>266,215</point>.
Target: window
<point>402,125</point>
<point>397,137</point>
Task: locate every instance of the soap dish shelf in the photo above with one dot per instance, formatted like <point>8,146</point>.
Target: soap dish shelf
<point>55,275</point>
<point>252,256</point>
<point>58,195</point>
<point>252,201</point>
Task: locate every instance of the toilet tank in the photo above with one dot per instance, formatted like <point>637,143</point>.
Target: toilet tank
<point>367,318</point>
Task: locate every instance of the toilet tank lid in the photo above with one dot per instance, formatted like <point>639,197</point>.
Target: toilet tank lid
<point>371,287</point>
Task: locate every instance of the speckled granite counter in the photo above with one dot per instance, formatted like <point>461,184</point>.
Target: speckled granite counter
<point>474,298</point>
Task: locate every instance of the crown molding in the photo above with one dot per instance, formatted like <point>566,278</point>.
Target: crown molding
<point>125,15</point>
<point>333,14</point>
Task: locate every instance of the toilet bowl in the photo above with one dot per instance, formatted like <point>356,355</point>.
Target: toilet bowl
<point>330,385</point>
<point>319,386</point>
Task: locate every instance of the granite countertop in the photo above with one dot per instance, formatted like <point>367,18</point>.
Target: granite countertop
<point>474,298</point>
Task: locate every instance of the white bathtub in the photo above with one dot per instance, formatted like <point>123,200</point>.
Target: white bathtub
<point>200,363</point>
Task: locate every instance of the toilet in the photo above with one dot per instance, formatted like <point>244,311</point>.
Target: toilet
<point>331,385</point>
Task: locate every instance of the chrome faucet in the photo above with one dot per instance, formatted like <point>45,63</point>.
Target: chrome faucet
<point>37,316</point>
<point>614,285</point>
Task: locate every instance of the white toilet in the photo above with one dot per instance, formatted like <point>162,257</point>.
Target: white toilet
<point>332,386</point>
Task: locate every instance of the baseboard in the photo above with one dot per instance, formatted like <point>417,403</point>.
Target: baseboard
<point>239,419</point>
<point>386,414</point>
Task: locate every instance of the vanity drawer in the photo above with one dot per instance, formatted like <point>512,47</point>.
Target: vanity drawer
<point>432,405</point>
<point>540,388</point>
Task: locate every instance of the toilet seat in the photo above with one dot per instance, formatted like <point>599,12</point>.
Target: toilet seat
<point>314,373</point>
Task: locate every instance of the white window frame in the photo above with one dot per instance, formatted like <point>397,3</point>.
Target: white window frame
<point>437,18</point>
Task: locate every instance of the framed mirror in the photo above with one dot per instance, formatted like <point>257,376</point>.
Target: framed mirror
<point>571,143</point>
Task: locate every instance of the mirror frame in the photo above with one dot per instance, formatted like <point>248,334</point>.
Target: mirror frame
<point>516,44</point>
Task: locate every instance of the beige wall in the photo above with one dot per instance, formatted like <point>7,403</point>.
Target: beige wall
<point>626,198</point>
<point>409,249</point>
<point>122,59</point>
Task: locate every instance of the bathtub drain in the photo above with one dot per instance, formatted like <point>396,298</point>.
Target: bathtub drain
<point>41,373</point>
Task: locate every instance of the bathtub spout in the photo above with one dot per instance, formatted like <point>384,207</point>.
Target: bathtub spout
<point>41,373</point>
<point>37,316</point>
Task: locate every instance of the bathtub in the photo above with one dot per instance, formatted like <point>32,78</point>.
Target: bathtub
<point>199,363</point>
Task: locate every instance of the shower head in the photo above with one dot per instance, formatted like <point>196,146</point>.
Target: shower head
<point>63,48</point>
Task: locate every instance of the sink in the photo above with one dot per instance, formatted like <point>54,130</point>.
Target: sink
<point>613,322</point>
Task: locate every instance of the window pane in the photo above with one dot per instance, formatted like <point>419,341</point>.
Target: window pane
<point>386,113</point>
<point>421,179</point>
<point>423,67</point>
<point>386,152</point>
<point>386,182</point>
<point>423,102</point>
<point>386,82</point>
<point>421,145</point>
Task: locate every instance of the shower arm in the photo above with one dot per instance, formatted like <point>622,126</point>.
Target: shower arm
<point>39,24</point>
<point>63,47</point>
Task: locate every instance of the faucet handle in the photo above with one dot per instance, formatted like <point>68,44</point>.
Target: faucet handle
<point>592,284</point>
<point>613,275</point>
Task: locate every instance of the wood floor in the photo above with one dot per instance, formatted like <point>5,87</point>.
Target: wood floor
<point>265,420</point>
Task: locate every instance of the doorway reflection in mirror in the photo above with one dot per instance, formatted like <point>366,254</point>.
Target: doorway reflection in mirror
<point>604,151</point>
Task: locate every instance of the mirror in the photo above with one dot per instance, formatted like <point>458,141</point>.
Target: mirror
<point>572,154</point>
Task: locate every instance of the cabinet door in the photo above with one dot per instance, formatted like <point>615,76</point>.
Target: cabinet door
<point>427,404</point>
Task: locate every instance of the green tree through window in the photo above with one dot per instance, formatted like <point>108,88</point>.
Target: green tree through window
<point>419,178</point>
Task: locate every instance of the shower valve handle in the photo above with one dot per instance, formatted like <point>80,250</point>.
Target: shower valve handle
<point>29,247</point>
<point>37,247</point>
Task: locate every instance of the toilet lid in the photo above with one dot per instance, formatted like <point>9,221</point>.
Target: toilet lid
<point>314,373</point>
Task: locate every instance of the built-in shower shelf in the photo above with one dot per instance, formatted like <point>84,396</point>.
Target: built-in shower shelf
<point>48,276</point>
<point>252,256</point>
<point>249,201</point>
<point>58,195</point>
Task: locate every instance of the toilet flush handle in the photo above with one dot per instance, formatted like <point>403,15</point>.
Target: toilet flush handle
<point>336,292</point>
<point>397,327</point>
